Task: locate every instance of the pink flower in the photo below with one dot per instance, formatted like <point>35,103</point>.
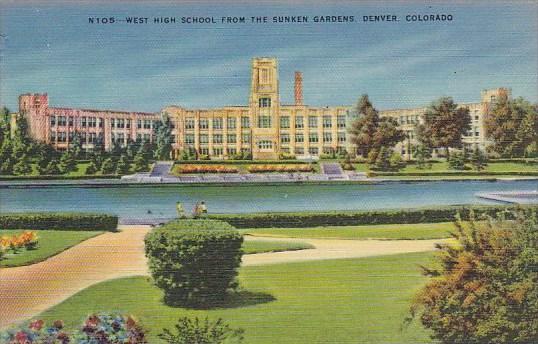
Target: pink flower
<point>21,338</point>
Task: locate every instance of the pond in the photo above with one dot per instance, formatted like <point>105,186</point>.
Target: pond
<point>159,200</point>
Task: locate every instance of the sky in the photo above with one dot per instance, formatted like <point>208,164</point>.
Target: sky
<point>50,47</point>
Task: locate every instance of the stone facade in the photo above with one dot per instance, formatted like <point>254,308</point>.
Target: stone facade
<point>265,127</point>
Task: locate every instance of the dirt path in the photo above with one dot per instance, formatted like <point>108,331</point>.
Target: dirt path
<point>27,291</point>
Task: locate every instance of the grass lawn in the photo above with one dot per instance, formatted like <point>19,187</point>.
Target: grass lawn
<point>50,244</point>
<point>442,166</point>
<point>334,301</point>
<point>273,246</point>
<point>392,231</point>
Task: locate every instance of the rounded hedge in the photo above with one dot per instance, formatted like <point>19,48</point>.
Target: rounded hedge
<point>194,267</point>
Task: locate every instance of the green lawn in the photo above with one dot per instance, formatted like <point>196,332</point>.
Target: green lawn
<point>50,244</point>
<point>334,301</point>
<point>442,166</point>
<point>273,246</point>
<point>392,231</point>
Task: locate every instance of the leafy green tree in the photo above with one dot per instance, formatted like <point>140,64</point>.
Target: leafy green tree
<point>370,131</point>
<point>97,158</point>
<point>163,138</point>
<point>382,161</point>
<point>75,146</point>
<point>6,157</point>
<point>91,169</point>
<point>140,161</point>
<point>108,166</point>
<point>188,331</point>
<point>422,154</point>
<point>23,166</point>
<point>512,126</point>
<point>445,123</point>
<point>67,163</point>
<point>123,165</point>
<point>478,159</point>
<point>457,161</point>
<point>52,168</point>
<point>484,289</point>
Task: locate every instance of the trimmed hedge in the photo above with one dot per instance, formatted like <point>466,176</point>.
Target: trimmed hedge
<point>350,218</point>
<point>60,177</point>
<point>454,173</point>
<point>198,224</point>
<point>194,267</point>
<point>241,162</point>
<point>59,221</point>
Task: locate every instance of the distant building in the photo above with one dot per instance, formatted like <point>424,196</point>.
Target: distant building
<point>265,127</point>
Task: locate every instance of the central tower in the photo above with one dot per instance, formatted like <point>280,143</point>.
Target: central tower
<point>264,108</point>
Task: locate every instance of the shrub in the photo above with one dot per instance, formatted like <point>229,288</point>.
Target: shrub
<point>189,331</point>
<point>484,289</point>
<point>347,166</point>
<point>286,156</point>
<point>200,224</point>
<point>280,168</point>
<point>194,267</point>
<point>349,218</point>
<point>98,329</point>
<point>59,221</point>
<point>14,243</point>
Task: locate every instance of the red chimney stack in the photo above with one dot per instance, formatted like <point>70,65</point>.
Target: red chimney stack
<point>298,88</point>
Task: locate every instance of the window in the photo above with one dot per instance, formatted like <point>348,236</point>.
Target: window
<point>52,137</point>
<point>189,123</point>
<point>71,121</point>
<point>61,121</point>
<point>232,138</point>
<point>62,137</point>
<point>231,151</point>
<point>285,122</point>
<point>245,138</point>
<point>476,117</point>
<point>341,121</point>
<point>299,122</point>
<point>313,150</point>
<point>92,122</point>
<point>312,122</point>
<point>245,122</point>
<point>112,122</point>
<point>284,138</point>
<point>299,150</point>
<point>327,137</point>
<point>204,138</point>
<point>52,121</point>
<point>231,123</point>
<point>138,138</point>
<point>217,123</point>
<point>327,150</point>
<point>139,124</point>
<point>217,151</point>
<point>147,124</point>
<point>172,138</point>
<point>203,124</point>
<point>204,151</point>
<point>147,137</point>
<point>327,122</point>
<point>264,122</point>
<point>128,124</point>
<point>100,122</point>
<point>265,144</point>
<point>299,138</point>
<point>83,122</point>
<point>120,123</point>
<point>341,137</point>
<point>189,139</point>
<point>264,102</point>
<point>493,98</point>
<point>313,137</point>
<point>92,138</point>
<point>217,138</point>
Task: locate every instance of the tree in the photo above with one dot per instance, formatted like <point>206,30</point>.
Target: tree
<point>485,288</point>
<point>67,163</point>
<point>52,168</point>
<point>478,159</point>
<point>91,169</point>
<point>422,154</point>
<point>163,138</point>
<point>6,157</point>
<point>123,166</point>
<point>511,126</point>
<point>369,132</point>
<point>108,166</point>
<point>382,161</point>
<point>75,146</point>
<point>457,161</point>
<point>188,331</point>
<point>23,166</point>
<point>140,161</point>
<point>445,123</point>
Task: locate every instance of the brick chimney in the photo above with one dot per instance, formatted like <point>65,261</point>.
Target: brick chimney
<point>298,88</point>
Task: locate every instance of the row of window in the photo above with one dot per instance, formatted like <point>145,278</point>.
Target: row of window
<point>219,151</point>
<point>217,123</point>
<point>217,138</point>
<point>313,137</point>
<point>264,121</point>
<point>409,119</point>
<point>313,150</point>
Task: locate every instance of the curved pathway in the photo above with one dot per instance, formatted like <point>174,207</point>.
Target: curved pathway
<point>29,290</point>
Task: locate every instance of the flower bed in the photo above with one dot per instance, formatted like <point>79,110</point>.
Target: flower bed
<point>280,168</point>
<point>15,243</point>
<point>98,328</point>
<point>191,168</point>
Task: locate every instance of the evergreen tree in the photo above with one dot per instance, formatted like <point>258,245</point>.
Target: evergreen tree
<point>478,159</point>
<point>422,154</point>
<point>445,123</point>
<point>123,165</point>
<point>140,162</point>
<point>108,166</point>
<point>6,158</point>
<point>52,168</point>
<point>75,146</point>
<point>67,163</point>
<point>382,162</point>
<point>23,166</point>
<point>457,161</point>
<point>91,169</point>
<point>163,138</point>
